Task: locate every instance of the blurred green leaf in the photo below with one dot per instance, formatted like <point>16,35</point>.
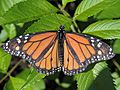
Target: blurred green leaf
<point>103,78</point>
<point>65,85</point>
<point>5,5</point>
<point>26,80</point>
<point>3,35</point>
<point>116,47</point>
<point>27,10</point>
<point>64,2</point>
<point>116,79</point>
<point>11,30</point>
<point>99,78</point>
<point>85,80</point>
<point>5,60</point>
<point>50,22</point>
<point>89,8</point>
<point>107,29</point>
<point>62,84</point>
<point>14,84</point>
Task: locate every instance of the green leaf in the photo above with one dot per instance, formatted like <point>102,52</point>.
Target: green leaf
<point>5,5</point>
<point>103,80</point>
<point>107,29</point>
<point>116,47</point>
<point>50,22</point>
<point>14,84</point>
<point>112,11</point>
<point>116,79</point>
<point>3,35</point>
<point>85,81</point>
<point>26,80</point>
<point>5,60</point>
<point>99,78</point>
<point>11,30</point>
<point>89,8</point>
<point>27,11</point>
<point>64,2</point>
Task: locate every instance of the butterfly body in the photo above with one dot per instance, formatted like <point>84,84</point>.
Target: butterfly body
<point>50,52</point>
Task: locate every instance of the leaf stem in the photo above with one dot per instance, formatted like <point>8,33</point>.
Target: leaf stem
<point>73,29</point>
<point>68,15</point>
<point>78,29</point>
<point>9,73</point>
<point>116,64</point>
<point>63,11</point>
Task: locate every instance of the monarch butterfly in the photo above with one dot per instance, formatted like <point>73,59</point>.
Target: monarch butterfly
<point>52,51</point>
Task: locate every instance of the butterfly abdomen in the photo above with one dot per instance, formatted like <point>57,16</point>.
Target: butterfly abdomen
<point>61,52</point>
<point>61,35</point>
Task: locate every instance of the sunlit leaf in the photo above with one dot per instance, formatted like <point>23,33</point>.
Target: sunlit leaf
<point>50,22</point>
<point>5,5</point>
<point>26,80</point>
<point>107,29</point>
<point>27,10</point>
<point>112,11</point>
<point>89,8</point>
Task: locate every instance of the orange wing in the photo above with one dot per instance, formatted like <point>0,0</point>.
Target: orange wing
<point>40,49</point>
<point>50,63</point>
<point>70,66</point>
<point>81,50</point>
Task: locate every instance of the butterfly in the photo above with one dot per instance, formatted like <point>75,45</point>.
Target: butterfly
<point>55,51</point>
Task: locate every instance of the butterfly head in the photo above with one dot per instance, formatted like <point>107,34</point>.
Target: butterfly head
<point>61,30</point>
<point>62,27</point>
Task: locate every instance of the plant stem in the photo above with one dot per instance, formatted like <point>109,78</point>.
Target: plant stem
<point>116,64</point>
<point>68,15</point>
<point>73,29</point>
<point>63,11</point>
<point>76,26</point>
<point>9,73</point>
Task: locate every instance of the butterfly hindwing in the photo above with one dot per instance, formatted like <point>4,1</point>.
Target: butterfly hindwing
<point>50,62</point>
<point>71,66</point>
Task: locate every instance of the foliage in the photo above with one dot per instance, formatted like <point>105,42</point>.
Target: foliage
<point>97,17</point>
<point>26,80</point>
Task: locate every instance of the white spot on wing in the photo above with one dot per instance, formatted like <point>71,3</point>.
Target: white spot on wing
<point>18,40</point>
<point>100,52</point>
